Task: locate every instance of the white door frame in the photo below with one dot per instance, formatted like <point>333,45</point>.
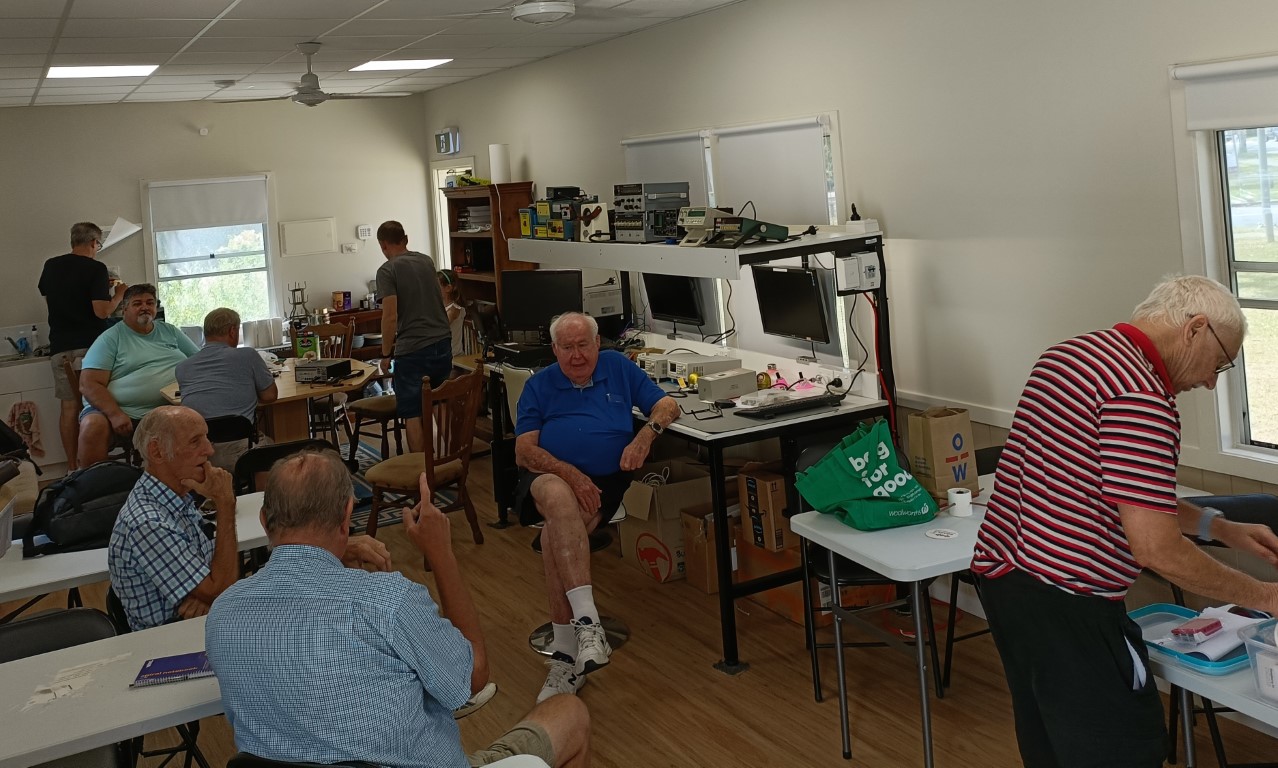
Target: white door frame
<point>439,205</point>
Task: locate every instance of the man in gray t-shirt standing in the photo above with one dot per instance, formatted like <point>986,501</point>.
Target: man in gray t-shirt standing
<point>414,325</point>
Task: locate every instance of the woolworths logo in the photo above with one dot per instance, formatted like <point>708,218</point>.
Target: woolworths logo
<point>907,512</point>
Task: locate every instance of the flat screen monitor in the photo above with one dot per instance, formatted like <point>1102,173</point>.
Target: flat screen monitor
<point>674,298</point>
<point>530,299</point>
<point>790,303</point>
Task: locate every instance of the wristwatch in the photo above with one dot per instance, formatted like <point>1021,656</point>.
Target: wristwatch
<point>1204,523</point>
<point>655,427</point>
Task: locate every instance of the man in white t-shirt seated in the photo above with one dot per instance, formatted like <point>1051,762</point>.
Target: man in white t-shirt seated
<point>225,379</point>
<point>124,371</point>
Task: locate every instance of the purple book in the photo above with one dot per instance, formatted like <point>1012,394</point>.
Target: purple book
<point>170,669</point>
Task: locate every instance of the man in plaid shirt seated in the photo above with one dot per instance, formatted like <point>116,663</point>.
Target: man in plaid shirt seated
<point>323,664</point>
<point>164,564</point>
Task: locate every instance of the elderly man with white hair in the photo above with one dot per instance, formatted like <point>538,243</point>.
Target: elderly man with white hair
<point>1084,498</point>
<point>164,564</point>
<point>576,446</point>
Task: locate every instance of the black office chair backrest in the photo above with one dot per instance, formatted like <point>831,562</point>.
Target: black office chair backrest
<point>245,760</point>
<point>225,429</point>
<point>1256,508</point>
<point>258,461</point>
<point>115,612</point>
<point>53,631</point>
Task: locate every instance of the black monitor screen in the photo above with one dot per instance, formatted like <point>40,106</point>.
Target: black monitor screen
<point>790,303</point>
<point>674,298</point>
<point>530,299</point>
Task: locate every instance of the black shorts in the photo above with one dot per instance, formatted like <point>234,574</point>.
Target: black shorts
<point>611,489</point>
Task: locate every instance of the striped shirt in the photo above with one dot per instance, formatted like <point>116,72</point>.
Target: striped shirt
<point>158,552</point>
<point>323,664</point>
<point>1096,427</point>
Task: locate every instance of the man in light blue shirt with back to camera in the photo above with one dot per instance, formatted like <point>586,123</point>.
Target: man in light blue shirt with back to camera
<point>325,664</point>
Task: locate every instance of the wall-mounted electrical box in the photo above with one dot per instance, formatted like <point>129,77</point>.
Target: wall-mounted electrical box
<point>857,273</point>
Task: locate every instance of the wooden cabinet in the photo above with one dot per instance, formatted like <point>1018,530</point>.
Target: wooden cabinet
<point>366,321</point>
<point>479,257</point>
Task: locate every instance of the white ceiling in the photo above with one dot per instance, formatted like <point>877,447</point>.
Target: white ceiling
<point>251,42</point>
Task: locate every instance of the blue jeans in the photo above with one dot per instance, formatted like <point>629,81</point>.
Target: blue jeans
<point>434,361</point>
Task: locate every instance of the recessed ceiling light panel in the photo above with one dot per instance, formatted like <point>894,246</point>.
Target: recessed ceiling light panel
<point>131,70</point>
<point>407,64</point>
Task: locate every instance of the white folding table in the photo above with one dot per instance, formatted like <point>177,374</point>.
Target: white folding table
<point>105,710</point>
<point>906,555</point>
<point>21,578</point>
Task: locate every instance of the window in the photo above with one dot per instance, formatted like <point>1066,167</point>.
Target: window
<point>210,247</point>
<point>1249,188</point>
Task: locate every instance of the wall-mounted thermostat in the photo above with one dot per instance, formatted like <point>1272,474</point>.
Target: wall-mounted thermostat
<point>364,231</point>
<point>447,141</point>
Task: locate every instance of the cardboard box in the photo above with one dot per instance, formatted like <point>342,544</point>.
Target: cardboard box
<point>763,498</point>
<point>652,534</point>
<point>701,559</point>
<point>787,601</point>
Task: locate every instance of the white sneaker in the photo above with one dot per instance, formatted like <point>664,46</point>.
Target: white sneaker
<point>592,645</point>
<point>562,678</point>
<point>473,704</point>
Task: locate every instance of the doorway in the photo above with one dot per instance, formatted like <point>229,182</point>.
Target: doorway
<point>440,170</point>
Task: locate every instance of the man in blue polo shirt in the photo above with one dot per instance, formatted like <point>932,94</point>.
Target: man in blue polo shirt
<point>576,447</point>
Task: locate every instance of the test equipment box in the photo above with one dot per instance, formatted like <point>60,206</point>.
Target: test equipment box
<point>683,365</point>
<point>648,212</point>
<point>727,384</point>
<point>307,371</point>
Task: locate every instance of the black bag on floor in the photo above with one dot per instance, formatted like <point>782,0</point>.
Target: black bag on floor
<point>79,511</point>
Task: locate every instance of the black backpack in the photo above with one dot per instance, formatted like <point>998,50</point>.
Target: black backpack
<point>79,511</point>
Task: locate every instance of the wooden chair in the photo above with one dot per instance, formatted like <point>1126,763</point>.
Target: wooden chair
<point>452,407</point>
<point>121,448</point>
<point>334,341</point>
<point>379,410</point>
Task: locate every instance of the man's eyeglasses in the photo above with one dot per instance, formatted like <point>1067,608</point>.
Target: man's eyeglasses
<point>1229,363</point>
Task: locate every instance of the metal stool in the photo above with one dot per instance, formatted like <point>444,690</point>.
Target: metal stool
<point>616,630</point>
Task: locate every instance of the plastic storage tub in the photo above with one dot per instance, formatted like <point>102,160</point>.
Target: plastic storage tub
<point>1262,648</point>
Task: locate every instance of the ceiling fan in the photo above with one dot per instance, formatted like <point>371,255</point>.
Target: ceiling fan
<point>308,91</point>
<point>550,11</point>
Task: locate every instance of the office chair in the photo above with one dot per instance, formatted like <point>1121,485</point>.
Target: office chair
<point>252,468</point>
<point>816,566</point>
<point>986,463</point>
<point>53,631</point>
<point>230,429</point>
<point>1257,508</point>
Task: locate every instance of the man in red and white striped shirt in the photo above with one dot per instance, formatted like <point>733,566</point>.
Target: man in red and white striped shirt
<point>1084,498</point>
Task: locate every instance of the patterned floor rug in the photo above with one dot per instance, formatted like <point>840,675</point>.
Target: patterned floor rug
<point>368,455</point>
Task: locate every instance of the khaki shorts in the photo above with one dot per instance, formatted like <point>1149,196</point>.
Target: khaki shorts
<point>526,738</point>
<point>61,384</point>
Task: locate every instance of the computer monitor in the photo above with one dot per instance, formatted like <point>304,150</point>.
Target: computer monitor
<point>530,299</point>
<point>674,298</point>
<point>790,303</point>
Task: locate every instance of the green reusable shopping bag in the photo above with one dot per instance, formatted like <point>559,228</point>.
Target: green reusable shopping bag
<point>861,482</point>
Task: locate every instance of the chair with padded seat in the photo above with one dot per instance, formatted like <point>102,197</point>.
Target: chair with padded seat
<point>815,563</point>
<point>1255,508</point>
<point>53,631</point>
<point>452,408</point>
<point>378,410</point>
<point>121,448</point>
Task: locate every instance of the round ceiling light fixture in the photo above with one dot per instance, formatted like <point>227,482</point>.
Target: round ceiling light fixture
<point>543,12</point>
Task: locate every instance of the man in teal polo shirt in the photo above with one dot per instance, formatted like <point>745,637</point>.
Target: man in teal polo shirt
<point>124,371</point>
<point>576,447</point>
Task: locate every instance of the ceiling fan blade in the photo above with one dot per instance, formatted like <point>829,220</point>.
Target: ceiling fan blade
<point>387,95</point>
<point>245,101</point>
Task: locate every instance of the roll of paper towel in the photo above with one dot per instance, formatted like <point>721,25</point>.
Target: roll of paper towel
<point>499,163</point>
<point>960,502</point>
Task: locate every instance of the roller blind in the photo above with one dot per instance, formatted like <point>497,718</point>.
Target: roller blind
<point>207,203</point>
<point>781,167</point>
<point>677,157</point>
<point>1241,93</point>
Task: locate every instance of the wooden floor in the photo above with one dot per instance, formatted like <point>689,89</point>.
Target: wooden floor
<point>661,703</point>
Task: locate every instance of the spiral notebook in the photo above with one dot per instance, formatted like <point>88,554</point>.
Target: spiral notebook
<point>170,669</point>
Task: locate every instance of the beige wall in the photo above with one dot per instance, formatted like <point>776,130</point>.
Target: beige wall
<point>359,161</point>
<point>1017,152</point>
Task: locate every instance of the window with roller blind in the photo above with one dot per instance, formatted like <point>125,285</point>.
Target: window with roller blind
<point>210,246</point>
<point>1231,110</point>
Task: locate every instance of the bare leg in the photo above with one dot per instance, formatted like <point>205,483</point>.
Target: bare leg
<point>565,546</point>
<point>414,428</point>
<point>567,721</point>
<point>95,439</point>
<point>69,430</point>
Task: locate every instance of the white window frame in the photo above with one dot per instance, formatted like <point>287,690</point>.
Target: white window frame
<point>1212,424</point>
<point>268,235</point>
